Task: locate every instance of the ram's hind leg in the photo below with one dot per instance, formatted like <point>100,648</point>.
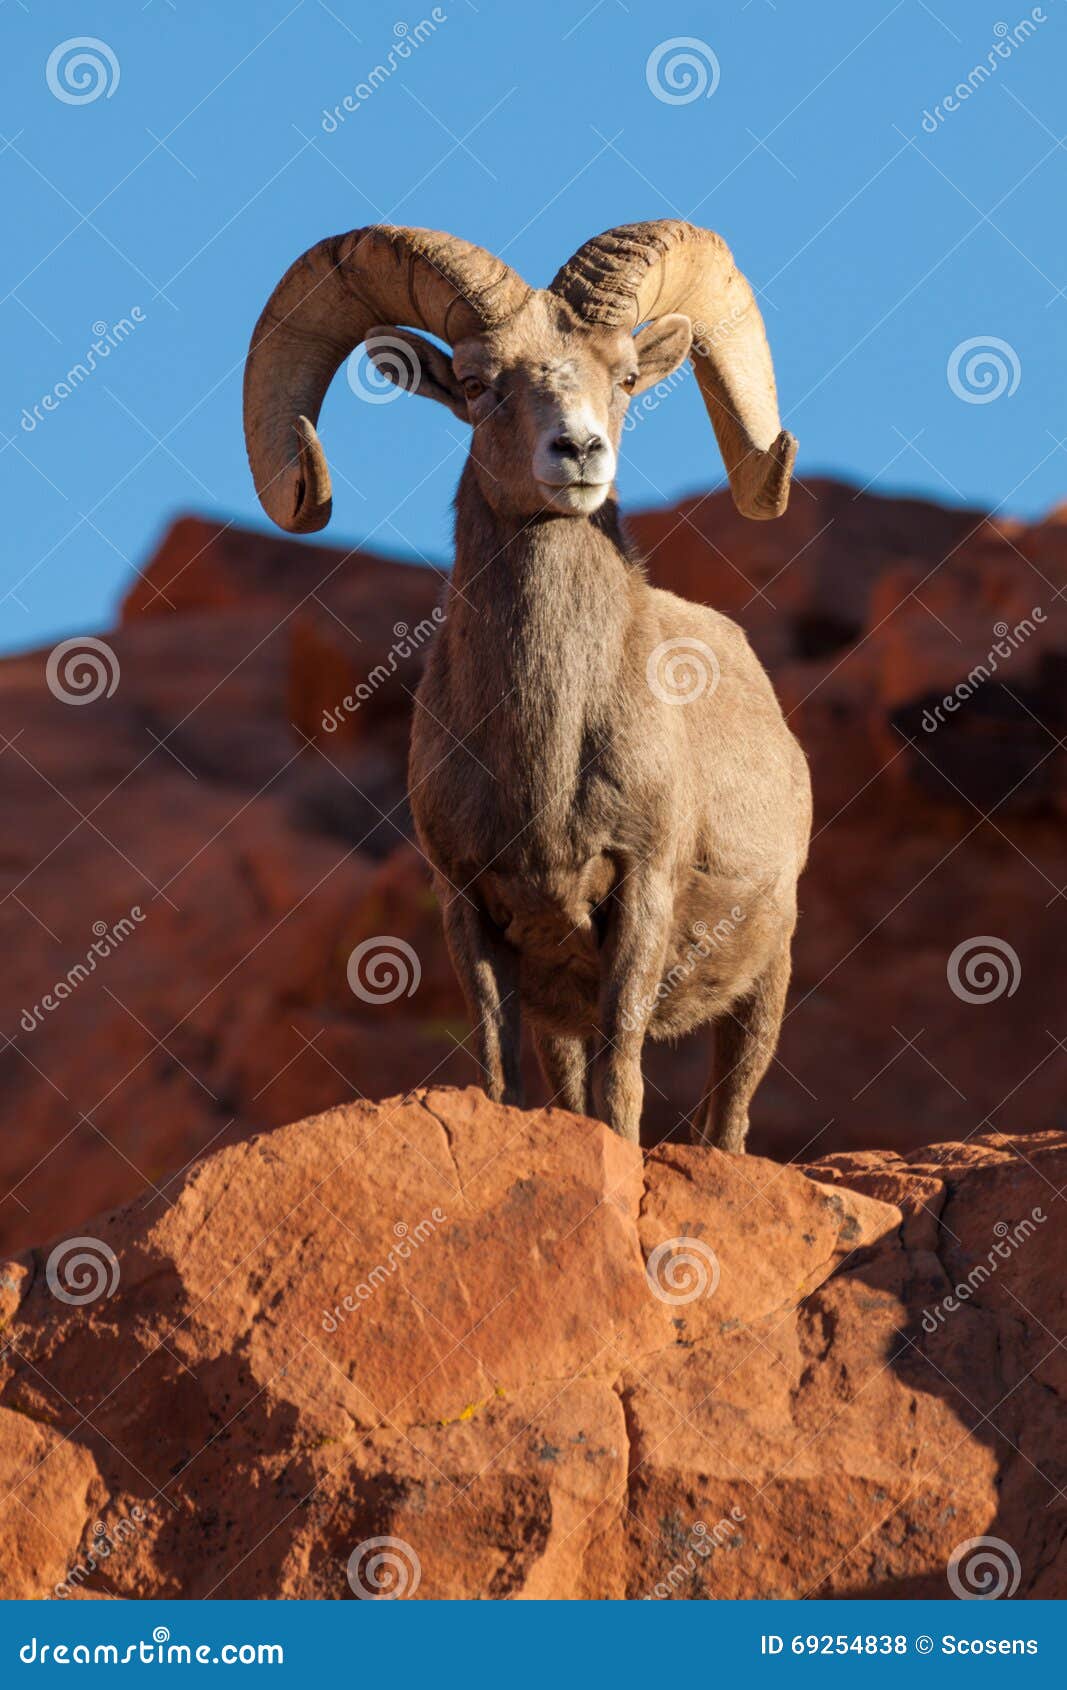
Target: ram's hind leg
<point>746,1038</point>
<point>565,1066</point>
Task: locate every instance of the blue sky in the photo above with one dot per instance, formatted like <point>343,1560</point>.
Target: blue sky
<point>880,243</point>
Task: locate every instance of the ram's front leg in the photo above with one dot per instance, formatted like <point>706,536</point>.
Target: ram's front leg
<point>488,971</point>
<point>634,949</point>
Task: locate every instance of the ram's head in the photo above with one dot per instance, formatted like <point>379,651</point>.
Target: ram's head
<point>543,376</point>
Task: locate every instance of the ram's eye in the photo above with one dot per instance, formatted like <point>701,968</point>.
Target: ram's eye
<point>628,383</point>
<point>472,387</point>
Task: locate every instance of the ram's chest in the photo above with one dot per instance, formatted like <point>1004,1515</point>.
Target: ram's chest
<point>518,797</point>
<point>518,740</point>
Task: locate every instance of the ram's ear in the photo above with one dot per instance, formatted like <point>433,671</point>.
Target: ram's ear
<point>416,365</point>
<point>661,346</point>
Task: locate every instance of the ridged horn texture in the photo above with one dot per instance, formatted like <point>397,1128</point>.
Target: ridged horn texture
<point>644,270</point>
<point>320,312</point>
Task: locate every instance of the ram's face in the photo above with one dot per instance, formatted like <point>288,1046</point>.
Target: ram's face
<point>546,399</point>
<point>546,396</point>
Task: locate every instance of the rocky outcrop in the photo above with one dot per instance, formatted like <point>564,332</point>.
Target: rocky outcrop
<point>200,849</point>
<point>437,1348</point>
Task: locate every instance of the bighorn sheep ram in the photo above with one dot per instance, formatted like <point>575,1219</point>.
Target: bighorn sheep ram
<point>601,777</point>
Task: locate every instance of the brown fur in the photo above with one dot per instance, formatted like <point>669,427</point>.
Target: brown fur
<point>615,861</point>
<point>612,863</point>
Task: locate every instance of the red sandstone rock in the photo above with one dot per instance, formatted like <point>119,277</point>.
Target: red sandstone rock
<point>262,849</point>
<point>561,1370</point>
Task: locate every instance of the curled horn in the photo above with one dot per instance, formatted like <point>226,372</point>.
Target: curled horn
<point>644,270</point>
<point>322,309</point>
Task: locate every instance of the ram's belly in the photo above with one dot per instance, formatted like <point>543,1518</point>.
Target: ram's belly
<point>723,933</point>
<point>718,943</point>
<point>554,919</point>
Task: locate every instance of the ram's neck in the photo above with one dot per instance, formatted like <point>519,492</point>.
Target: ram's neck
<point>538,617</point>
<point>552,579</point>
